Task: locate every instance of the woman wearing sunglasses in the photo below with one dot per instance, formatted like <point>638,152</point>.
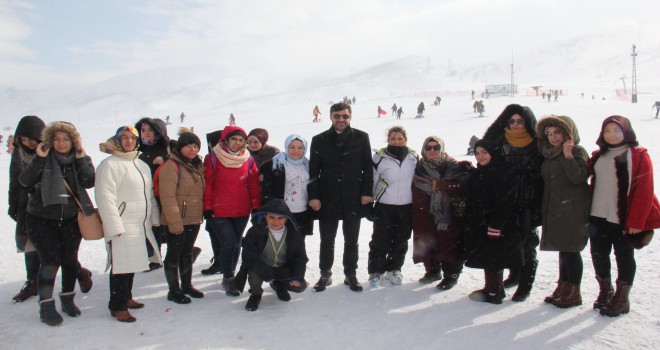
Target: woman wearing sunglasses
<point>436,186</point>
<point>514,132</point>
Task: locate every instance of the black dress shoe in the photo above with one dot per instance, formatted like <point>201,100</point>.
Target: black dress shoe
<point>193,292</point>
<point>352,282</point>
<point>282,293</point>
<point>322,284</point>
<point>178,297</point>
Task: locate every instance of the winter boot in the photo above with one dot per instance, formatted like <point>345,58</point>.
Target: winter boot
<point>374,279</point>
<point>48,314</point>
<point>229,284</point>
<point>215,261</point>
<point>85,279</point>
<point>605,294</point>
<point>353,284</point>
<point>253,302</point>
<point>493,292</point>
<point>513,279</point>
<point>172,277</point>
<point>569,297</point>
<point>430,277</point>
<point>324,281</point>
<point>451,272</point>
<point>68,307</point>
<point>185,271</point>
<point>28,290</point>
<point>195,253</point>
<point>557,292</point>
<point>620,303</point>
<point>527,275</point>
<point>213,269</point>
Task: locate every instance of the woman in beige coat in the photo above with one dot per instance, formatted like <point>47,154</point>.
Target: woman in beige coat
<point>181,187</point>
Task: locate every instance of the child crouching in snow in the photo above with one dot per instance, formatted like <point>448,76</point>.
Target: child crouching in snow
<point>273,251</point>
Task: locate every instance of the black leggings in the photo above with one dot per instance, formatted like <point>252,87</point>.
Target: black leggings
<point>57,244</point>
<point>570,267</point>
<point>604,236</point>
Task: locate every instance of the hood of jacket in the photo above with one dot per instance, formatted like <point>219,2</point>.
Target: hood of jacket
<point>29,126</point>
<point>564,123</point>
<point>274,206</point>
<point>495,131</point>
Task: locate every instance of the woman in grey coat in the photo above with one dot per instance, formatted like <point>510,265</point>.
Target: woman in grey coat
<point>565,206</point>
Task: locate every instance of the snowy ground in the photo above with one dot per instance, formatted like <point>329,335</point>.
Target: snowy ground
<point>410,315</point>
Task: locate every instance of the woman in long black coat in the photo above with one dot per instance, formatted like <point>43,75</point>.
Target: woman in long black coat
<point>489,237</point>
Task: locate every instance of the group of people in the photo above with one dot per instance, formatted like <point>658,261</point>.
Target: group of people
<point>152,190</point>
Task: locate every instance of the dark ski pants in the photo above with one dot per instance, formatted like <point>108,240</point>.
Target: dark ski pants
<point>351,231</point>
<point>604,236</point>
<point>389,241</point>
<point>281,281</point>
<point>57,244</point>
<point>230,235</point>
<point>570,267</point>
<point>121,291</point>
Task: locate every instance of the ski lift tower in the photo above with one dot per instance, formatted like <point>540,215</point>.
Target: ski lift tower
<point>634,75</point>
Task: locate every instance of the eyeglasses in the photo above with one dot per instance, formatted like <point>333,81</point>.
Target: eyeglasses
<point>339,116</point>
<point>513,121</point>
<point>554,133</point>
<point>434,147</point>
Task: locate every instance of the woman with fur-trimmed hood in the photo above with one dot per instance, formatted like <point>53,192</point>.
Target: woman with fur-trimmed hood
<point>60,170</point>
<point>624,212</point>
<point>566,202</point>
<point>127,205</point>
<point>514,132</point>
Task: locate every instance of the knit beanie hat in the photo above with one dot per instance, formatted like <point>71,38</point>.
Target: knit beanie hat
<point>231,130</point>
<point>187,138</point>
<point>260,134</point>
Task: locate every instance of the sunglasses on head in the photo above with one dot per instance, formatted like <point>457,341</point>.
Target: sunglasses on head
<point>434,147</point>
<point>339,116</point>
<point>516,121</point>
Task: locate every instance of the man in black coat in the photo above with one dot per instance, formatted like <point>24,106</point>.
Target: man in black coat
<point>340,188</point>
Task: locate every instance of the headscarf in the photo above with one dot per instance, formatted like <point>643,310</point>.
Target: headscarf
<point>281,157</point>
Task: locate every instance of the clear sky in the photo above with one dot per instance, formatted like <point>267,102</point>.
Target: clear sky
<point>46,43</point>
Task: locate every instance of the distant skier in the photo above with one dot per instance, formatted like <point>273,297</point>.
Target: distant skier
<point>167,120</point>
<point>399,112</point>
<point>182,117</point>
<point>394,108</point>
<point>657,108</point>
<point>556,95</point>
<point>232,119</point>
<point>475,106</point>
<point>316,112</point>
<point>380,111</point>
<point>353,99</point>
<point>437,101</point>
<point>549,95</point>
<point>473,94</point>
<point>543,96</point>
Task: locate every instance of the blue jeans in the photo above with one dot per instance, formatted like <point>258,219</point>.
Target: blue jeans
<point>230,234</point>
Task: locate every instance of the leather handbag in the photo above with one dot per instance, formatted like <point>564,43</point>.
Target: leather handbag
<point>91,226</point>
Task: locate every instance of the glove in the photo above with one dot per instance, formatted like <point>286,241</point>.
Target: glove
<point>13,213</point>
<point>208,214</point>
<point>494,233</point>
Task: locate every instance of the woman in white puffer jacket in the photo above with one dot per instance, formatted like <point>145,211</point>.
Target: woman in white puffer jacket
<point>394,168</point>
<point>127,205</point>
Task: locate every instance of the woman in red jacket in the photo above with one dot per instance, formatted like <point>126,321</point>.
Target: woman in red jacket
<point>623,206</point>
<point>232,191</point>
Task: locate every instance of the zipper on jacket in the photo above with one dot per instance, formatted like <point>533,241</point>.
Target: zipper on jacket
<point>183,214</point>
